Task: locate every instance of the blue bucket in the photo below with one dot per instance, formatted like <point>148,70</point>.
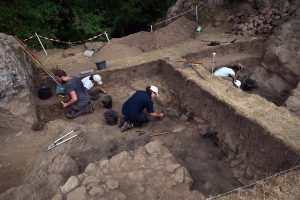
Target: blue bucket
<point>60,90</point>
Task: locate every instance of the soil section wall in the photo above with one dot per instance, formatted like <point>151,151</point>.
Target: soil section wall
<point>246,138</point>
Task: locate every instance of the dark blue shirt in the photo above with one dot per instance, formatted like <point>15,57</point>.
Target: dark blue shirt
<point>133,107</point>
<point>75,84</point>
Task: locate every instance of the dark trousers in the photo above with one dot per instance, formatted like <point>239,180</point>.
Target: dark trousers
<point>76,110</point>
<point>142,121</point>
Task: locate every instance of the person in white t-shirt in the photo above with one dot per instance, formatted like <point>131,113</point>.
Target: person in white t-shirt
<point>228,73</point>
<point>92,85</point>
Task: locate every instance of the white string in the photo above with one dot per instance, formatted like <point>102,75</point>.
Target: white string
<point>255,182</point>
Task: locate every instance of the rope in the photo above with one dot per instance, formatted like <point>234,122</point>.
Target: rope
<point>174,17</point>
<point>54,40</point>
<point>283,172</point>
<point>29,38</point>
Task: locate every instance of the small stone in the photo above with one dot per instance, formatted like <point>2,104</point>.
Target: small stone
<point>97,191</point>
<point>171,167</point>
<point>71,184</point>
<point>207,185</point>
<point>235,163</point>
<point>237,173</point>
<point>112,184</point>
<point>91,169</point>
<point>179,176</point>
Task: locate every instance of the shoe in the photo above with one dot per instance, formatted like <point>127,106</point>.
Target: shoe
<point>126,126</point>
<point>120,122</point>
<point>91,106</point>
<point>97,96</point>
<point>144,124</point>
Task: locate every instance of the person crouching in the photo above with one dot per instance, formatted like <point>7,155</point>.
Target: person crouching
<point>132,109</point>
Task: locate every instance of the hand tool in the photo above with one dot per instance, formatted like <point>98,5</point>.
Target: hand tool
<point>186,65</point>
<point>219,42</point>
<point>17,40</point>
<point>140,132</point>
<point>163,133</point>
<point>56,142</point>
<point>59,95</point>
<point>184,61</point>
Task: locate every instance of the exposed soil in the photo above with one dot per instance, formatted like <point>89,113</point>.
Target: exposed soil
<point>201,156</point>
<point>198,154</point>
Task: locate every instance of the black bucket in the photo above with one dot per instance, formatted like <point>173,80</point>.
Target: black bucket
<point>101,65</point>
<point>111,117</point>
<point>249,84</point>
<point>106,101</point>
<point>44,92</point>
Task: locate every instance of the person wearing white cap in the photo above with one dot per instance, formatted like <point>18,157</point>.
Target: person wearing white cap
<point>92,84</point>
<point>237,83</point>
<point>132,109</point>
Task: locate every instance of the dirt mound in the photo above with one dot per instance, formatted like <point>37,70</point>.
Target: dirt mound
<point>120,49</point>
<point>178,31</point>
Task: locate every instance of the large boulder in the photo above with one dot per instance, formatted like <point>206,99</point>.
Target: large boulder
<point>16,70</point>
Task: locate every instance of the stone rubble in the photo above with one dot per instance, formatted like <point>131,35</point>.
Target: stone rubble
<point>257,23</point>
<point>150,172</point>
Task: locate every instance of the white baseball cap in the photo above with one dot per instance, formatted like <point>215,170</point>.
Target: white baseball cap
<point>154,89</point>
<point>237,83</point>
<point>97,78</point>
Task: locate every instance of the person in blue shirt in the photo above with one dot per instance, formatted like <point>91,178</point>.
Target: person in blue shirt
<point>132,109</point>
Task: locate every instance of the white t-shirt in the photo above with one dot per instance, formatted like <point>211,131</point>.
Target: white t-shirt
<point>87,83</point>
<point>224,71</point>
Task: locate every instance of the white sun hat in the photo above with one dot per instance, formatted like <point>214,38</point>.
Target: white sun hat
<point>154,89</point>
<point>97,78</point>
<point>238,83</point>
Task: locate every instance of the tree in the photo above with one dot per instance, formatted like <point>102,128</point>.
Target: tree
<point>77,20</point>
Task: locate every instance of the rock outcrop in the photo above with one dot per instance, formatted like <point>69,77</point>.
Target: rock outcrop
<point>16,69</point>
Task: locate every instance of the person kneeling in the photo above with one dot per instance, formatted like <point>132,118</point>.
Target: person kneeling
<point>132,109</point>
<point>80,102</point>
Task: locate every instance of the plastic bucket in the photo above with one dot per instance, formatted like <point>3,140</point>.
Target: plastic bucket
<point>44,92</point>
<point>106,101</point>
<point>111,117</point>
<point>60,90</point>
<point>101,65</point>
<point>249,84</point>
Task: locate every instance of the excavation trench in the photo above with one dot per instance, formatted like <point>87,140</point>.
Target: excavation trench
<point>226,138</point>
